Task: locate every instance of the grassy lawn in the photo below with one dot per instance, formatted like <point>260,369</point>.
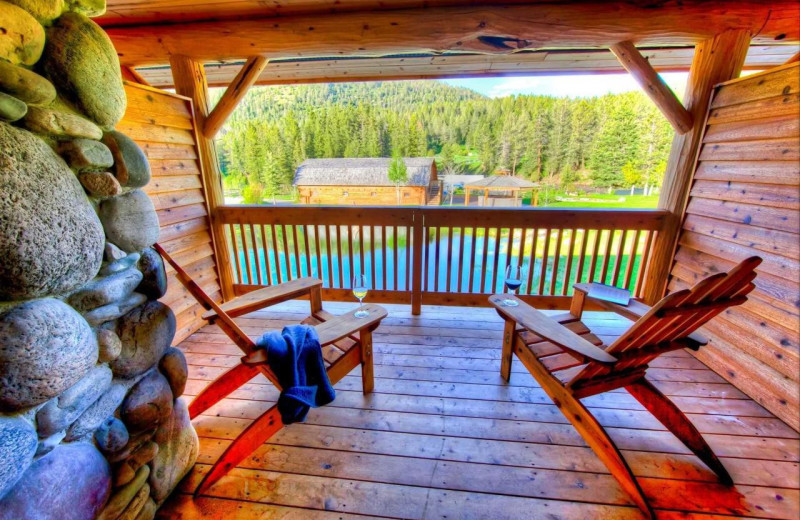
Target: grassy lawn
<point>608,201</point>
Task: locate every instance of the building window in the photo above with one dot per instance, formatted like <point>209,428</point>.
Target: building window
<point>345,194</point>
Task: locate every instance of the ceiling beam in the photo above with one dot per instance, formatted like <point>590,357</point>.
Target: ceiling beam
<point>655,87</point>
<point>498,29</point>
<point>245,79</point>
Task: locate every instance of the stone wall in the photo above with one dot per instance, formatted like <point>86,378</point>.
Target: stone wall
<point>91,424</point>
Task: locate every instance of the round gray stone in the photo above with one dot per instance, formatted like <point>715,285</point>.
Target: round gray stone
<point>102,291</point>
<point>51,240</point>
<point>131,166</point>
<point>72,482</point>
<point>173,366</point>
<point>94,416</point>
<point>177,452</point>
<point>45,348</point>
<point>154,281</point>
<point>148,404</point>
<point>82,63</point>
<point>109,345</point>
<point>59,124</point>
<point>22,37</point>
<point>112,435</point>
<point>45,11</point>
<point>11,108</point>
<point>17,447</point>
<point>60,412</point>
<point>123,263</point>
<point>130,221</point>
<point>25,84</point>
<point>86,155</point>
<point>146,333</point>
<point>115,310</point>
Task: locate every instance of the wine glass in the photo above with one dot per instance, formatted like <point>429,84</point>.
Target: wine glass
<point>514,274</point>
<point>360,288</point>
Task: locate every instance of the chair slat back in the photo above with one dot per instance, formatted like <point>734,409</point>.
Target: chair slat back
<point>674,318</point>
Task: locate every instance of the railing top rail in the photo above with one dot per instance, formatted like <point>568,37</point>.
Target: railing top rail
<point>553,218</point>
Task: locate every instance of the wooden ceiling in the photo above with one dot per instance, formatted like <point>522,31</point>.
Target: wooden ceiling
<point>288,71</point>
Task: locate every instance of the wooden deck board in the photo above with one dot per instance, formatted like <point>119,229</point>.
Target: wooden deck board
<point>443,437</point>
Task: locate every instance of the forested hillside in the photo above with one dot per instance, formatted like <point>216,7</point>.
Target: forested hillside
<point>608,141</point>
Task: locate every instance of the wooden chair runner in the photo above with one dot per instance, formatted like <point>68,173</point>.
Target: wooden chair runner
<point>346,342</point>
<point>571,363</point>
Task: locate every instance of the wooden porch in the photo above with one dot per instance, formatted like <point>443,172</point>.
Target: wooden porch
<point>443,437</point>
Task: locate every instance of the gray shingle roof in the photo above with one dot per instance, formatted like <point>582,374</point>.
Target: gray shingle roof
<point>361,172</point>
<point>502,181</point>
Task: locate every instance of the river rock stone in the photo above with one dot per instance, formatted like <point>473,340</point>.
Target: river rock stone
<point>80,60</point>
<point>49,444</point>
<point>148,404</point>
<point>146,333</point>
<point>131,166</point>
<point>86,155</point>
<point>59,124</point>
<point>121,264</point>
<point>125,471</point>
<point>11,108</point>
<point>111,436</point>
<point>173,366</point>
<point>109,345</point>
<point>115,310</point>
<point>123,496</point>
<point>130,221</point>
<point>102,291</point>
<point>17,446</point>
<point>113,253</point>
<point>21,37</point>
<point>51,240</point>
<point>100,184</point>
<point>136,441</point>
<point>72,482</point>
<point>136,504</point>
<point>154,281</point>
<point>24,84</point>
<point>45,348</point>
<point>63,410</point>
<point>45,11</point>
<point>94,416</point>
<point>90,8</point>
<point>148,512</point>
<point>177,452</point>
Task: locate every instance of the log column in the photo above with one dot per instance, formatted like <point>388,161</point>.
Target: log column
<point>715,60</point>
<point>190,81</point>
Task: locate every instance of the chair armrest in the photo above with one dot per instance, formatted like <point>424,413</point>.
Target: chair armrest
<point>266,296</point>
<point>544,326</point>
<point>633,311</point>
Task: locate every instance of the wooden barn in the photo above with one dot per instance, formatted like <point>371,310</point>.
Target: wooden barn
<point>132,298</point>
<point>365,182</point>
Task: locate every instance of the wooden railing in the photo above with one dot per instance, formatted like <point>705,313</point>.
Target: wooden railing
<point>436,255</point>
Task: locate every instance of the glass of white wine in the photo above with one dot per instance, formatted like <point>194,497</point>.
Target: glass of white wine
<point>514,274</point>
<point>360,289</point>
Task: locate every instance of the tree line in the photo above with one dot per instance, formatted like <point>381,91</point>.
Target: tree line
<point>609,141</point>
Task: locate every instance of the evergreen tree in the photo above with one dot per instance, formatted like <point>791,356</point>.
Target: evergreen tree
<point>398,173</point>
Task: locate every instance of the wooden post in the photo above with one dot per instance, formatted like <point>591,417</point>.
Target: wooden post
<point>416,253</point>
<point>190,81</point>
<point>715,60</point>
<point>658,91</point>
<point>245,79</point>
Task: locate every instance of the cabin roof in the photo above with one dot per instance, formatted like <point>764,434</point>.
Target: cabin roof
<point>502,182</point>
<point>367,171</point>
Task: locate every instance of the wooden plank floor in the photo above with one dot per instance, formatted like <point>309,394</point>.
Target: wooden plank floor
<point>443,437</point>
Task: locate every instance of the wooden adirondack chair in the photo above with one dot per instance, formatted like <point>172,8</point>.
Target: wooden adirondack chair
<point>346,343</point>
<point>572,363</point>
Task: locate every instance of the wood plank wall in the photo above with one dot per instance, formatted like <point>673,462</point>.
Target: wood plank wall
<point>162,124</point>
<point>743,202</point>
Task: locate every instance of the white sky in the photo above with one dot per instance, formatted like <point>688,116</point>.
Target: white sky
<point>563,86</point>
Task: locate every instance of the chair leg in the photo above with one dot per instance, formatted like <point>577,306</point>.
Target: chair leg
<point>221,387</point>
<point>267,425</point>
<point>675,421</point>
<point>509,335</point>
<point>367,369</point>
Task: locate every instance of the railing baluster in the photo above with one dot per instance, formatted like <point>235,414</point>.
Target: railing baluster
<point>618,261</point>
<point>395,245</point>
<point>235,255</point>
<point>566,282</point>
<point>266,254</point>
<point>595,252</point>
<point>532,264</point>
<point>361,250</point>
<point>582,255</point>
<point>350,256</point>
<point>484,269</point>
<point>498,237</point>
<point>449,257</point>
<point>372,254</point>
<point>631,259</point>
<point>329,255</point>
<point>408,257</point>
<point>277,252</point>
<point>425,258</point>
<point>556,262</point>
<point>522,239</point>
<point>296,252</point>
<point>342,283</point>
<point>318,274</point>
<point>545,260</point>
<point>649,239</point>
<point>459,269</point>
<point>384,260</point>
<point>471,266</point>
<point>287,261</point>
<point>246,255</point>
<point>255,253</point>
<point>308,250</point>
<point>436,261</point>
<point>509,246</point>
<point>607,257</point>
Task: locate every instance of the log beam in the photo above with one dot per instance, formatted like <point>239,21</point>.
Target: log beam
<point>655,87</point>
<point>245,79</point>
<point>190,81</point>
<point>716,60</point>
<point>793,59</point>
<point>131,74</point>
<point>495,29</point>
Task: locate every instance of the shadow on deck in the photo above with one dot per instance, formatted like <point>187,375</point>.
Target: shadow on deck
<point>443,437</point>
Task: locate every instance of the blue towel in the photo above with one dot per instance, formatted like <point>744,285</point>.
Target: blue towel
<point>295,356</point>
